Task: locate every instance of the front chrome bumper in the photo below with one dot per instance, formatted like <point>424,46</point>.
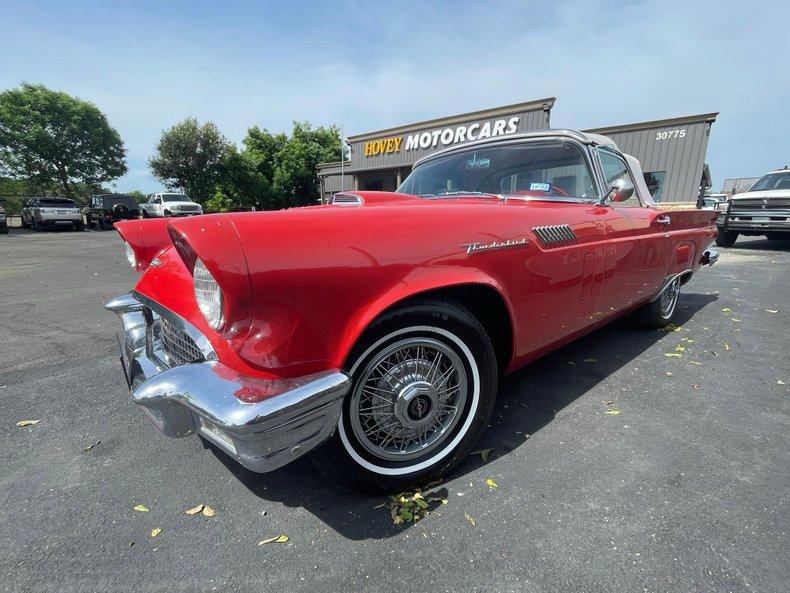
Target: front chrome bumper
<point>289,417</point>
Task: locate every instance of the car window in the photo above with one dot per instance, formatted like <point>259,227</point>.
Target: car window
<point>543,169</point>
<point>614,168</point>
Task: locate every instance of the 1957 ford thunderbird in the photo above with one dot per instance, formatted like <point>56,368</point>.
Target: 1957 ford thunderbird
<point>371,332</point>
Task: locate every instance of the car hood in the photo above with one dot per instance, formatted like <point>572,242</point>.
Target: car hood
<point>768,193</point>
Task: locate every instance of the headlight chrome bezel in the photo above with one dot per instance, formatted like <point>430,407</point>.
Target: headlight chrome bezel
<point>208,295</point>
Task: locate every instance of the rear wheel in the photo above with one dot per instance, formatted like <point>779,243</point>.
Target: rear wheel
<point>726,238</point>
<point>424,380</point>
<point>36,225</point>
<point>145,213</point>
<point>660,312</point>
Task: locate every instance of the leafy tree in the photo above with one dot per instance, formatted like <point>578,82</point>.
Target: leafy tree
<point>51,138</point>
<point>242,186</point>
<point>190,158</point>
<point>138,196</point>
<point>295,163</point>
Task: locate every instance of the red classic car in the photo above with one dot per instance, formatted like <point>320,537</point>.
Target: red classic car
<point>372,331</point>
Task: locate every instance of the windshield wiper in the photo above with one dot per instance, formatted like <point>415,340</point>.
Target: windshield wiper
<point>462,193</point>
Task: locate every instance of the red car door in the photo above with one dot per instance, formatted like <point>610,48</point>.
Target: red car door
<point>637,244</point>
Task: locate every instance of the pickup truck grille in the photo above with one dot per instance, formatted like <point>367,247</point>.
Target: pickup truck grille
<point>178,346</point>
<point>188,208</point>
<point>750,204</point>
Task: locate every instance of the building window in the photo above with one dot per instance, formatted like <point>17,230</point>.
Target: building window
<point>655,183</point>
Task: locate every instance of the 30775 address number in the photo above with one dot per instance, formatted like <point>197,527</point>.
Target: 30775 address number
<point>671,134</point>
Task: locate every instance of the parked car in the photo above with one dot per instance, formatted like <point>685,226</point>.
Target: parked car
<point>372,331</point>
<point>166,204</point>
<point>44,213</point>
<point>713,201</point>
<point>764,209</point>
<point>3,222</point>
<point>105,209</point>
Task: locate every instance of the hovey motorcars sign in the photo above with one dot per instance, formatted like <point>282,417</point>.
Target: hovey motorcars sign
<point>442,136</point>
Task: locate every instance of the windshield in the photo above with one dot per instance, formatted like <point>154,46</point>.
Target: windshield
<point>538,169</point>
<point>772,181</point>
<point>57,204</point>
<point>175,198</point>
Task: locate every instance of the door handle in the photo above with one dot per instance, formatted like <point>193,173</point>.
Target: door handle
<point>665,220</point>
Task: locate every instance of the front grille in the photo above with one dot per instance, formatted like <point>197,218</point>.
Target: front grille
<point>178,346</point>
<point>751,204</point>
<point>188,208</point>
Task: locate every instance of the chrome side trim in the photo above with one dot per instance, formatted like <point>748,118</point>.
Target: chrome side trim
<point>555,235</point>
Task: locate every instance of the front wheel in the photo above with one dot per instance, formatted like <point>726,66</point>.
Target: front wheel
<point>424,379</point>
<point>726,238</point>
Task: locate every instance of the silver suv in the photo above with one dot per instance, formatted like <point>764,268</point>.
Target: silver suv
<point>41,213</point>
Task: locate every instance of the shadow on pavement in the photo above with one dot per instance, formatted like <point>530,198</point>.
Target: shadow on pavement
<point>528,400</point>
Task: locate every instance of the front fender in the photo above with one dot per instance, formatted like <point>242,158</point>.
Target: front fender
<point>420,281</point>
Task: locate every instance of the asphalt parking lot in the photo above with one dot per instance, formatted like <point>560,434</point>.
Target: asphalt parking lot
<point>686,489</point>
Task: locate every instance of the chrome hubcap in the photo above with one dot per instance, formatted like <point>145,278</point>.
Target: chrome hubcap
<point>408,399</point>
<point>669,298</point>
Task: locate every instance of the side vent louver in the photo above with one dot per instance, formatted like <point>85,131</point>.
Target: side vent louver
<point>347,200</point>
<point>555,235</point>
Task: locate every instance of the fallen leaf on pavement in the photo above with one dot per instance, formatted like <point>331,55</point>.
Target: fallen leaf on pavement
<point>491,483</point>
<point>471,519</point>
<point>672,354</point>
<point>669,373</point>
<point>726,310</point>
<point>23,423</point>
<point>680,348</point>
<point>726,346</point>
<point>612,412</point>
<point>208,511</point>
<point>195,510</point>
<point>89,447</point>
<point>694,362</point>
<point>484,453</point>
<point>277,539</point>
<point>141,508</point>
<point>780,382</point>
<point>772,310</point>
<point>156,531</point>
<point>590,360</point>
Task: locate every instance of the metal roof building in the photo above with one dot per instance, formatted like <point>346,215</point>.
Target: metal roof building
<point>672,151</point>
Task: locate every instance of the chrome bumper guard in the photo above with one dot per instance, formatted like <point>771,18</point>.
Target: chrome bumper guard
<point>207,397</point>
<point>710,257</point>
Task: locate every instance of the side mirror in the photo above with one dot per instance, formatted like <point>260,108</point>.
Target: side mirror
<point>621,190</point>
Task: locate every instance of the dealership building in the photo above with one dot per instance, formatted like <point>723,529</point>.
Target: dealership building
<point>671,151</point>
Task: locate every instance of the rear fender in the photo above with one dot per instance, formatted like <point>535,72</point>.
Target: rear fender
<point>421,281</point>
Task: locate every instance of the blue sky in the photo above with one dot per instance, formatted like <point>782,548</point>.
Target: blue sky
<point>372,65</point>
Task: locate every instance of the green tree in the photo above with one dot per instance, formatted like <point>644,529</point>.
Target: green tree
<point>51,137</point>
<point>295,178</point>
<point>138,196</point>
<point>190,158</point>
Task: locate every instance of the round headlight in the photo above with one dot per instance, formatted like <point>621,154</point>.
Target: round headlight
<point>208,295</point>
<point>130,255</point>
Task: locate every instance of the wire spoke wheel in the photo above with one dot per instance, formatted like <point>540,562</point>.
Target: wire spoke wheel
<point>408,399</point>
<point>669,298</point>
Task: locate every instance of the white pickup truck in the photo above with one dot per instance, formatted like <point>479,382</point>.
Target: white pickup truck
<point>167,204</point>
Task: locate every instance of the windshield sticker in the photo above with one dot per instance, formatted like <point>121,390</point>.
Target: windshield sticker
<point>476,163</point>
<point>539,187</point>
